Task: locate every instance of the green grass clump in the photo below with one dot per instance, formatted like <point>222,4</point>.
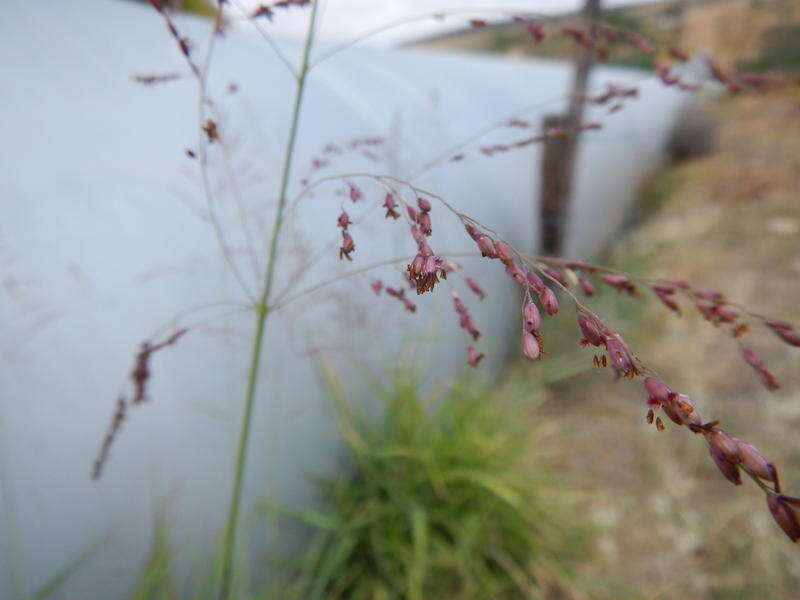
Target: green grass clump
<point>156,580</point>
<point>443,501</point>
<point>780,50</point>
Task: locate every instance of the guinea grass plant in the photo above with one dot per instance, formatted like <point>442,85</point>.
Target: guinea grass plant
<point>433,507</point>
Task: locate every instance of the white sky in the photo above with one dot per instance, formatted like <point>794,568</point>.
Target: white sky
<point>345,19</point>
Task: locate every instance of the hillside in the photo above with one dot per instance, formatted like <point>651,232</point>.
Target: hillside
<point>749,33</point>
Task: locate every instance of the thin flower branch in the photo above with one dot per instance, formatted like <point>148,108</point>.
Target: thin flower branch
<point>178,320</point>
<point>325,250</point>
<point>205,137</point>
<point>352,273</point>
<point>207,129</point>
<point>232,522</point>
<point>267,38</point>
<point>438,15</point>
<point>712,305</point>
<point>140,375</point>
<point>236,192</point>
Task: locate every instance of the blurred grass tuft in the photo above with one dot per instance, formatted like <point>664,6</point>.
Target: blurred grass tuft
<point>444,501</point>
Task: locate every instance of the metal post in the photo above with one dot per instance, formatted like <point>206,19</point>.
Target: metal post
<point>558,159</point>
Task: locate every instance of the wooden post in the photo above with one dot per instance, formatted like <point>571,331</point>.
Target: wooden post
<point>558,160</point>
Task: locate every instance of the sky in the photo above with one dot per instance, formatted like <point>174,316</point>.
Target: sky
<point>346,19</point>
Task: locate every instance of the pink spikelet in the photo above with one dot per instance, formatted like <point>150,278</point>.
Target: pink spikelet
<point>354,193</point>
<point>140,375</point>
<point>620,282</point>
<point>465,320</point>
<point>390,205</point>
<point>400,294</point>
<point>426,269</point>
<point>483,241</point>
<point>549,300</point>
<point>475,288</point>
<point>754,360</point>
<point>516,273</point>
<point>536,32</point>
<point>786,331</point>
<point>531,346</point>
<point>347,247</point>
<point>666,295</point>
<point>344,220</point>
<point>586,286</point>
<point>473,358</point>
<point>531,317</point>
<point>591,330</point>
<point>619,355</point>
<point>784,511</point>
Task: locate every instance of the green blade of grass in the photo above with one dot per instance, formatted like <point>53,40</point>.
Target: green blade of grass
<point>61,576</point>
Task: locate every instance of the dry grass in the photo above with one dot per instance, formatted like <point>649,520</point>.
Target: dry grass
<point>674,528</point>
<point>733,30</point>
